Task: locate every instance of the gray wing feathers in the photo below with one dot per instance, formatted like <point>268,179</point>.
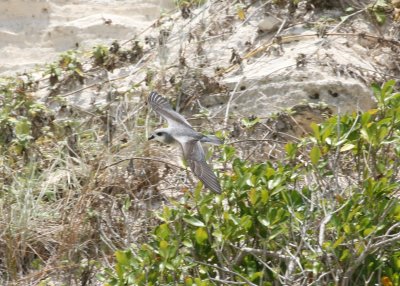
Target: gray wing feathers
<point>194,155</point>
<point>192,149</point>
<point>211,139</point>
<point>162,107</point>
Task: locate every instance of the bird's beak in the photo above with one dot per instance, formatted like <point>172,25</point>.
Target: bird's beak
<point>151,137</point>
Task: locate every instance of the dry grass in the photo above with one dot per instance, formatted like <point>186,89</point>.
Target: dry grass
<point>63,208</point>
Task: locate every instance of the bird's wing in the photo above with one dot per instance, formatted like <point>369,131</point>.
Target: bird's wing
<point>194,155</point>
<point>162,107</point>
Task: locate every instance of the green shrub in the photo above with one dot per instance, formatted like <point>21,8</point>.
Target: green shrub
<point>19,110</point>
<point>326,214</point>
<point>68,66</point>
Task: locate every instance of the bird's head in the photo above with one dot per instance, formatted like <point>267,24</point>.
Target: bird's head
<point>162,135</point>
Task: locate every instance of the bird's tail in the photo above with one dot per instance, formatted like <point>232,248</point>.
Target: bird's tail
<point>211,139</point>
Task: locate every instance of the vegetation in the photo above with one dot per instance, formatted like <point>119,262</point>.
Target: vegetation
<point>46,159</point>
<point>78,187</point>
<point>327,214</point>
<point>181,3</point>
<point>68,67</point>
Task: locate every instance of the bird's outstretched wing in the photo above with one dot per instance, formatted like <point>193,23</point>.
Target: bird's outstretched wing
<point>194,155</point>
<point>162,107</point>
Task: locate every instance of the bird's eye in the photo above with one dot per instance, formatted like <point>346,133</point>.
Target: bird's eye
<point>159,133</point>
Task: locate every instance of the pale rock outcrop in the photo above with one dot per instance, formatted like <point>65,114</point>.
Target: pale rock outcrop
<point>269,61</point>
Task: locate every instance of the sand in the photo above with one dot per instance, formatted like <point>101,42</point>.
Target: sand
<point>34,32</point>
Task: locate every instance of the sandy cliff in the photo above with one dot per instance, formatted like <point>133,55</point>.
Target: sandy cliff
<point>35,31</point>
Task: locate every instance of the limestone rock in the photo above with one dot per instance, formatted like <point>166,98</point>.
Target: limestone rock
<point>268,24</point>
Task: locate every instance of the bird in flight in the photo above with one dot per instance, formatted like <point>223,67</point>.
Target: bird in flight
<point>181,132</point>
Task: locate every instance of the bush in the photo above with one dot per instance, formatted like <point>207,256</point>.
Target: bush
<point>327,214</point>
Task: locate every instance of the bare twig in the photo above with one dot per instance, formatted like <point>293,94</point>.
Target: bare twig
<point>345,18</point>
<point>254,140</point>
<point>226,282</point>
<point>228,271</point>
<point>261,252</point>
<point>144,159</point>
<point>230,101</point>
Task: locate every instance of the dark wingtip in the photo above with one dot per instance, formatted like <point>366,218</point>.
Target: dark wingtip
<point>152,95</point>
<point>216,187</point>
<point>218,191</point>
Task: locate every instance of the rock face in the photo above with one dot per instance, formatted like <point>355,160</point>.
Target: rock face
<point>267,66</point>
<point>35,31</point>
<point>307,70</point>
<point>231,60</point>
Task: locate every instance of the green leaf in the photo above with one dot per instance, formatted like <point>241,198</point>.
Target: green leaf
<point>269,172</point>
<point>120,271</point>
<point>388,86</point>
<point>197,191</point>
<point>250,180</point>
<point>250,122</point>
<point>228,153</point>
<point>315,155</point>
<point>347,229</point>
<point>188,281</point>
<point>291,149</point>
<point>365,118</point>
<point>376,89</point>
<point>163,231</point>
<point>383,131</point>
<point>200,282</point>
<point>338,241</point>
<point>380,17</point>
<point>122,257</point>
<point>201,235</point>
<point>164,245</point>
<point>246,222</point>
<point>396,261</point>
<point>368,231</point>
<point>187,243</point>
<point>206,212</point>
<point>166,213</point>
<point>326,245</point>
<point>365,135</point>
<point>193,221</point>
<point>256,275</point>
<point>327,131</point>
<point>253,196</point>
<point>272,184</point>
<point>315,127</point>
<point>264,196</point>
<point>344,18</point>
<point>264,221</point>
<point>347,147</point>
<point>345,255</point>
